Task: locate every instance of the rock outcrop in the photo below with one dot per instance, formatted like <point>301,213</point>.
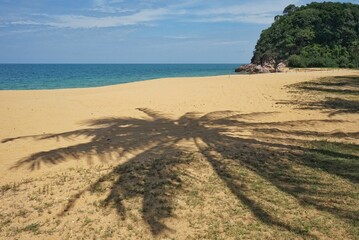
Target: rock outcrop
<point>265,67</point>
<point>281,67</point>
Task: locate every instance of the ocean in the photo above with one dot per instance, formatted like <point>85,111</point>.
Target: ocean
<point>57,76</point>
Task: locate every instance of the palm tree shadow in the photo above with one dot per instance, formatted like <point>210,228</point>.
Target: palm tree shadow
<point>337,95</point>
<point>153,173</point>
<point>150,176</point>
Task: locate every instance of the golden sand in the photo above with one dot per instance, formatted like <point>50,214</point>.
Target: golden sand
<point>174,109</point>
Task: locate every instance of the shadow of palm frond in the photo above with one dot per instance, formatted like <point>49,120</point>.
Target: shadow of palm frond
<point>341,95</point>
<point>334,105</point>
<point>237,146</point>
<point>336,85</point>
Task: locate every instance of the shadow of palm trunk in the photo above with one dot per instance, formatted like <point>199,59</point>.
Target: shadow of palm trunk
<point>234,173</point>
<point>247,166</point>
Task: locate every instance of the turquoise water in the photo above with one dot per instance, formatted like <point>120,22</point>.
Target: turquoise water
<point>55,76</point>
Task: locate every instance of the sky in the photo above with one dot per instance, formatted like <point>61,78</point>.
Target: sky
<point>134,31</point>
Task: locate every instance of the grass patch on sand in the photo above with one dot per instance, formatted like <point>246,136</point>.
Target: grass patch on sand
<point>335,157</point>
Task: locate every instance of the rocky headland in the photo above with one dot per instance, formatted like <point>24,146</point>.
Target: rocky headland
<point>265,67</point>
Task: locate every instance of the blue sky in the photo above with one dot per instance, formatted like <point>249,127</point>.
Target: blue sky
<point>134,31</point>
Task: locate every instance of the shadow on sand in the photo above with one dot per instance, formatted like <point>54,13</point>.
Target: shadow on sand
<point>341,95</point>
<point>233,144</point>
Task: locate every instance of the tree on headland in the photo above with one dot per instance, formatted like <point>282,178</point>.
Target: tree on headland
<point>315,35</point>
<point>290,8</point>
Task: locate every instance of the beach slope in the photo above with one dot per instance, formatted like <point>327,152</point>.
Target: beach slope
<point>252,156</point>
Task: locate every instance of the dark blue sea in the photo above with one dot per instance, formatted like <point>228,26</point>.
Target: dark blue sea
<point>56,76</point>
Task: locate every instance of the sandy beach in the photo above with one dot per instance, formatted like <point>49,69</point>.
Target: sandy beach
<point>90,133</point>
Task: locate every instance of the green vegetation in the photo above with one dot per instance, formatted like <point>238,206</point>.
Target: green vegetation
<point>34,227</point>
<point>337,158</point>
<point>316,35</point>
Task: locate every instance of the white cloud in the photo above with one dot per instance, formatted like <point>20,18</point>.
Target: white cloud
<point>79,21</point>
<point>263,18</point>
<point>115,13</point>
<point>21,31</point>
<point>254,7</point>
<point>259,12</point>
<point>106,6</point>
<point>179,37</point>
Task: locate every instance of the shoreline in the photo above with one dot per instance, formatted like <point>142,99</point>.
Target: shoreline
<point>235,75</point>
<point>117,84</point>
<point>65,76</point>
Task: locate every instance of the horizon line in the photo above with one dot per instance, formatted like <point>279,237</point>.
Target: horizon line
<point>112,63</point>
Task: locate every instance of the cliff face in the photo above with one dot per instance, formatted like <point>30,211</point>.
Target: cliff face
<point>316,35</point>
